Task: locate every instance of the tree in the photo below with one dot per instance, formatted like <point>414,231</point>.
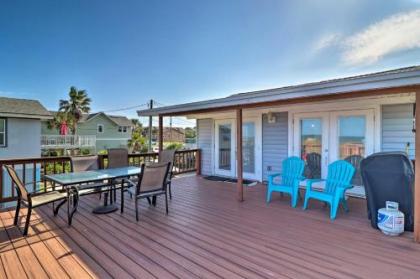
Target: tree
<point>190,133</point>
<point>137,141</point>
<point>59,119</point>
<point>77,104</point>
<point>136,124</point>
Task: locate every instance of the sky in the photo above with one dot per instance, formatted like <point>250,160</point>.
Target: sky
<point>125,53</point>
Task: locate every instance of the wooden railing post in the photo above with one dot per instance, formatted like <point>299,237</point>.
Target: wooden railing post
<point>417,171</point>
<point>198,162</point>
<point>160,132</point>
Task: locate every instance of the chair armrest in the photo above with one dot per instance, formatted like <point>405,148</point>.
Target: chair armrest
<point>272,176</point>
<point>309,182</point>
<point>131,183</point>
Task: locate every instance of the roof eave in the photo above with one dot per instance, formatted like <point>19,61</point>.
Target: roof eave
<point>376,81</point>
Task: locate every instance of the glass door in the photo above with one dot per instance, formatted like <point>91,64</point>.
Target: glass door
<point>311,142</point>
<point>251,148</point>
<point>224,148</point>
<point>352,136</point>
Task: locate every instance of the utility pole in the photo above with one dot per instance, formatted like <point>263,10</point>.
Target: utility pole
<point>170,129</point>
<point>150,127</point>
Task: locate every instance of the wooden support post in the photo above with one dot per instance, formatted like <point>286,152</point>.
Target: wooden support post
<point>160,132</point>
<point>239,163</point>
<point>417,171</point>
<point>198,162</point>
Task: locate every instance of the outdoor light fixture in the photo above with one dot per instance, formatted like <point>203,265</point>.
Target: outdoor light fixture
<point>271,117</point>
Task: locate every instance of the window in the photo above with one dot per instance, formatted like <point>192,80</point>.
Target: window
<point>3,136</point>
<point>120,129</point>
<point>125,129</point>
<point>100,128</point>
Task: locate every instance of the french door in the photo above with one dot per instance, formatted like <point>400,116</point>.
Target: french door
<point>225,148</point>
<point>322,138</point>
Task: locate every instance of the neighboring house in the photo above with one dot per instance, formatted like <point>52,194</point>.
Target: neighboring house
<point>320,122</point>
<point>109,131</point>
<point>20,132</point>
<point>20,127</point>
<point>174,134</point>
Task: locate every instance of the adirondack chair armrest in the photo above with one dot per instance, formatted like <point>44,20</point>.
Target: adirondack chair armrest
<point>309,183</point>
<point>272,176</point>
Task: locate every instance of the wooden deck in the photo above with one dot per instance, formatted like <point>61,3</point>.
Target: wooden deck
<point>207,234</point>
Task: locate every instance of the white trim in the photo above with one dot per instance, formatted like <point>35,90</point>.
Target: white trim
<point>3,133</point>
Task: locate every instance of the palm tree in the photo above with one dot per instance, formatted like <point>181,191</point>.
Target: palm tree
<point>137,141</point>
<point>59,119</point>
<point>77,104</point>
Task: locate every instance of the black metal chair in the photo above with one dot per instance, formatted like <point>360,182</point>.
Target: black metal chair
<point>152,182</point>
<point>313,165</point>
<point>87,163</point>
<point>117,158</point>
<point>168,156</point>
<point>37,199</point>
<point>355,161</point>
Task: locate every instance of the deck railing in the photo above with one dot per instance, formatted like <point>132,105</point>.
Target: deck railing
<point>32,170</point>
<point>67,141</point>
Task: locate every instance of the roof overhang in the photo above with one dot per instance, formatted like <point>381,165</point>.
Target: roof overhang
<point>389,82</point>
<point>25,116</point>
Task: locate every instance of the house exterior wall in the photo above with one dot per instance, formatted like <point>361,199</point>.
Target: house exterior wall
<point>205,136</point>
<point>397,125</point>
<point>23,138</point>
<point>274,143</point>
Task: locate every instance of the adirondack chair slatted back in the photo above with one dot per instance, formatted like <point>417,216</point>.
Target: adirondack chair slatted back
<point>292,169</point>
<point>340,174</point>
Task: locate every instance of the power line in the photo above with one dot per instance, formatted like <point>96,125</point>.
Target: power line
<point>126,108</point>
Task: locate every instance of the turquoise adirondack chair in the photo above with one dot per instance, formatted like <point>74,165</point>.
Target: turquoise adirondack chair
<point>340,174</point>
<point>292,170</point>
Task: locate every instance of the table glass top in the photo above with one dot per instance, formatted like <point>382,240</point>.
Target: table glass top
<point>94,175</point>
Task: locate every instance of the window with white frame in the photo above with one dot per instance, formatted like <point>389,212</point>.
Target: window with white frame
<point>120,129</point>
<point>100,128</point>
<point>3,135</point>
<point>125,129</point>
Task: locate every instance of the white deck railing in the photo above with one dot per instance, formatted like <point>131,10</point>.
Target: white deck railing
<point>67,141</point>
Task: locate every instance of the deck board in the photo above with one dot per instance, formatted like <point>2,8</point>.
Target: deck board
<point>207,234</point>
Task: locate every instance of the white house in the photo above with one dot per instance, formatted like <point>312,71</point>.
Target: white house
<point>320,122</point>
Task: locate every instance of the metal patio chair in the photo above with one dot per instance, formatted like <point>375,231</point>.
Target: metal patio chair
<point>36,199</point>
<point>151,182</point>
<point>88,163</point>
<point>292,170</point>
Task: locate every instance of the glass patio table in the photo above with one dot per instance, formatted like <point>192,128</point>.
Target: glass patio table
<point>77,178</point>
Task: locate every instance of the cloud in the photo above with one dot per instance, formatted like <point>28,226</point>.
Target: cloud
<point>327,41</point>
<point>393,34</point>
